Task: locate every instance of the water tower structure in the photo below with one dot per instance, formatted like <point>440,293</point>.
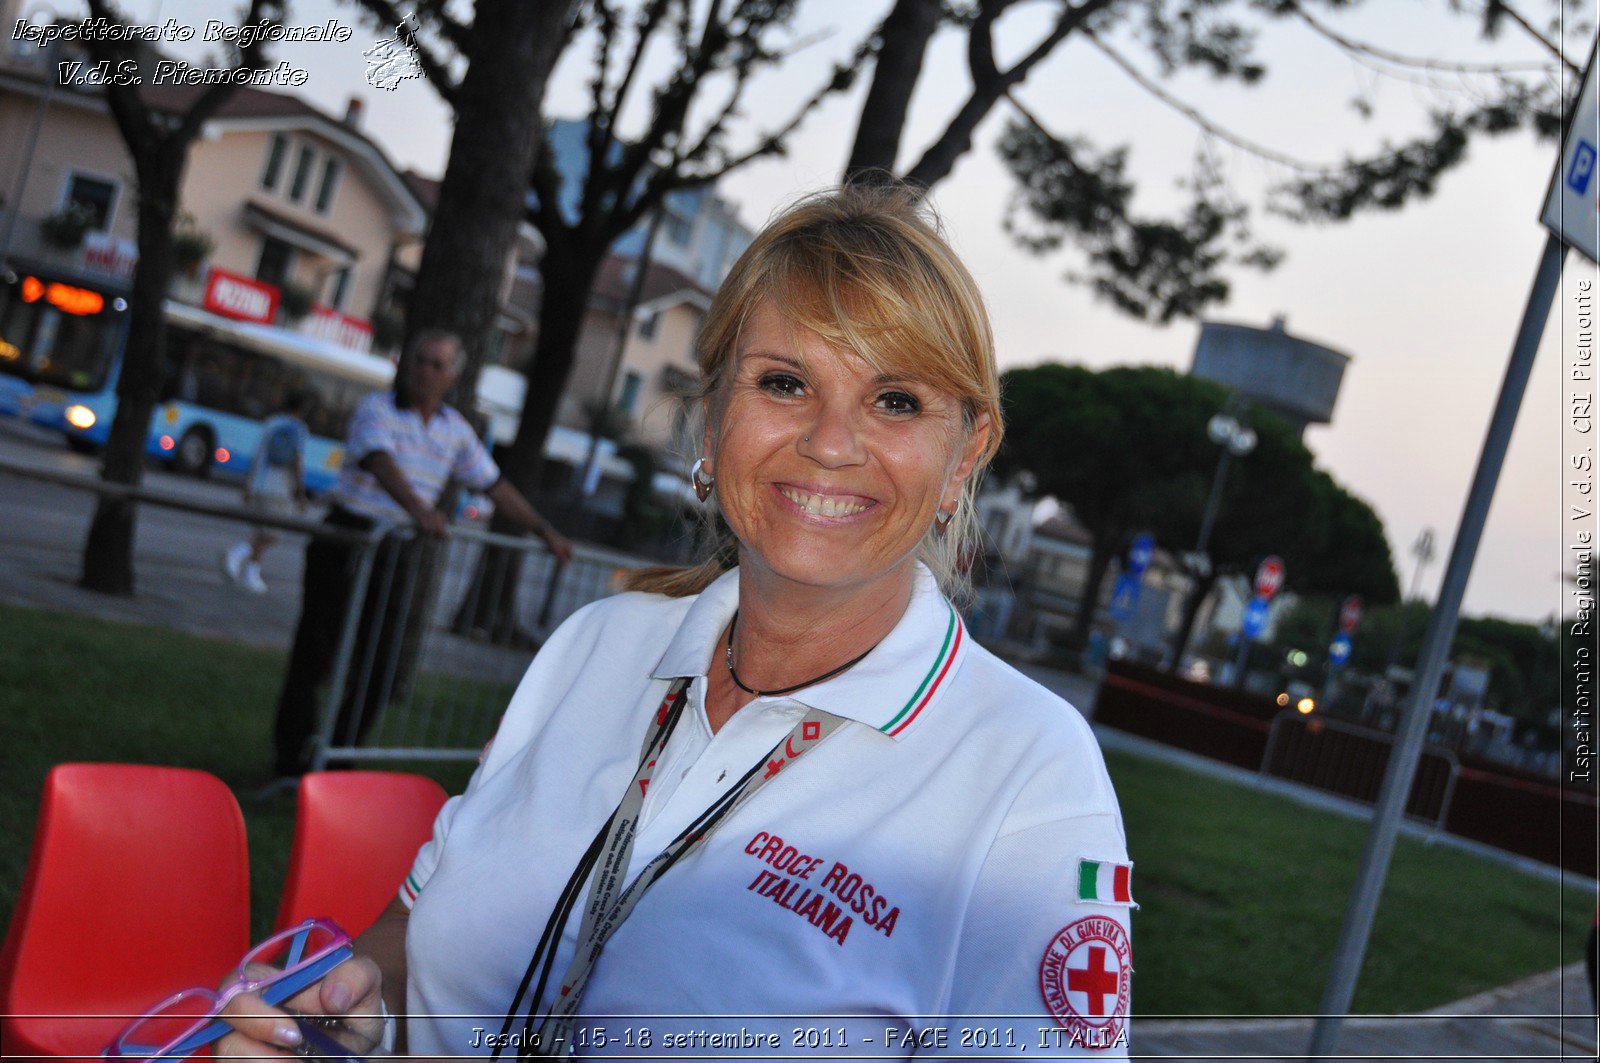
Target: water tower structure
<point>1294,378</point>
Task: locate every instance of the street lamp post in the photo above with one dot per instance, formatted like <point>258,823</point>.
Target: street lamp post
<point>1237,440</point>
<point>1422,550</point>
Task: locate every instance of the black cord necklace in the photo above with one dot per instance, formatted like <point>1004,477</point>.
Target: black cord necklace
<point>728,656</point>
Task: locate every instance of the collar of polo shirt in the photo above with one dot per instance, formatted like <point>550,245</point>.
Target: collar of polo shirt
<point>890,690</point>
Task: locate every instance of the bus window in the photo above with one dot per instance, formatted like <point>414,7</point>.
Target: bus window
<point>208,368</point>
<point>80,353</point>
<point>327,416</point>
<point>55,333</point>
<point>257,378</point>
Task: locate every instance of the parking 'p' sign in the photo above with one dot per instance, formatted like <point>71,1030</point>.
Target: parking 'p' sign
<point>1572,206</point>
<point>1581,168</point>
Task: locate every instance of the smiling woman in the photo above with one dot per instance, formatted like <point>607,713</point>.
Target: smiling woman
<point>854,285</point>
<point>847,829</point>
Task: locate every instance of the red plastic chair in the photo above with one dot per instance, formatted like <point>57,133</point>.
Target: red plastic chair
<point>356,834</point>
<point>138,885</point>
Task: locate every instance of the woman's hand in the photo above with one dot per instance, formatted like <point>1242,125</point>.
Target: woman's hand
<point>350,992</point>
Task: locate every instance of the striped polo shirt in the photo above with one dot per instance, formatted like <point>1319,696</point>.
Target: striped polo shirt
<point>429,455</point>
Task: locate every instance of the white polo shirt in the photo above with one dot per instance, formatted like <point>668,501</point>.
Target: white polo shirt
<point>428,453</point>
<point>911,885</point>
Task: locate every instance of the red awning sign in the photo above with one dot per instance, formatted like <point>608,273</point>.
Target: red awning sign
<point>240,298</point>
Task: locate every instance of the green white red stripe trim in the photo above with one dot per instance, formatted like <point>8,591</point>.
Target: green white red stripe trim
<point>937,673</point>
<point>1105,882</point>
<point>409,890</point>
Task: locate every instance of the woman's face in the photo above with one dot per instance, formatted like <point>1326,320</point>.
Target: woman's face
<point>829,474</point>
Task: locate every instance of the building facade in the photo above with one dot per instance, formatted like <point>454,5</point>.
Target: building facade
<point>639,361</point>
<point>275,191</point>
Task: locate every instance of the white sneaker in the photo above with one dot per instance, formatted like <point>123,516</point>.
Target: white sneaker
<point>252,579</point>
<point>233,560</point>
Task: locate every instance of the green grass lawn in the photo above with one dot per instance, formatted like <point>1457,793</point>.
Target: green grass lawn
<point>1241,892</point>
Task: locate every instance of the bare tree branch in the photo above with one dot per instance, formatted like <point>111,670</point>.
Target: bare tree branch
<point>436,15</point>
<point>672,103</point>
<point>648,22</point>
<point>990,84</point>
<point>605,32</point>
<point>215,96</point>
<point>1494,10</point>
<point>1447,66</point>
<point>772,143</point>
<point>1144,82</point>
<point>741,77</point>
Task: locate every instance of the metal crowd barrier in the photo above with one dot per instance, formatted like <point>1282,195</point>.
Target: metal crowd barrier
<point>440,696</point>
<point>440,692</point>
<point>1348,759</point>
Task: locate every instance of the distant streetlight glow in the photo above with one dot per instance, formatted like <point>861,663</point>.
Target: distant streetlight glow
<point>1305,705</point>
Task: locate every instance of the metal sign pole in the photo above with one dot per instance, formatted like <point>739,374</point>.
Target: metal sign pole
<point>1435,651</point>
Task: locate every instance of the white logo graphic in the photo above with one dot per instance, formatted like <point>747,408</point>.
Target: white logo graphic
<point>394,59</point>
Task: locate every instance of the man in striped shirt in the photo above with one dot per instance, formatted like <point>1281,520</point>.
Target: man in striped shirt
<point>403,448</point>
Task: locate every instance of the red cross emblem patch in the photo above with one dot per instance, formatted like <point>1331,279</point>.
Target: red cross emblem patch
<point>1085,980</point>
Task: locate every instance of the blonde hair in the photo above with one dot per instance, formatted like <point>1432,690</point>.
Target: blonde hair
<point>867,270</point>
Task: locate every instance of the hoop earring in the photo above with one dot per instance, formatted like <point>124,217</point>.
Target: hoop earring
<point>702,480</point>
<point>942,519</point>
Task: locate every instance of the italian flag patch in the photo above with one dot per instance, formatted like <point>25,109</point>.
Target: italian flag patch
<point>1105,882</point>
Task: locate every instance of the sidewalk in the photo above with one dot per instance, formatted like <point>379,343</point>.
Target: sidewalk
<point>1541,1017</point>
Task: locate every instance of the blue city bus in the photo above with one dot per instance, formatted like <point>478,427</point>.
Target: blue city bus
<point>60,347</point>
<point>56,336</point>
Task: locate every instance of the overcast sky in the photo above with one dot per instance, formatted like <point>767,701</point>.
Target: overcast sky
<point>1426,301</point>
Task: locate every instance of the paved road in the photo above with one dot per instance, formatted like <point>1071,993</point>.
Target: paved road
<point>179,582</point>
<point>177,554</point>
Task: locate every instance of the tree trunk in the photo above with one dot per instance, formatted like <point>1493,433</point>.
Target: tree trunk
<point>1191,609</point>
<point>108,551</point>
<point>943,154</point>
<point>482,200</point>
<point>905,35</point>
<point>568,282</point>
<point>513,48</point>
<point>1099,563</point>
<point>491,602</point>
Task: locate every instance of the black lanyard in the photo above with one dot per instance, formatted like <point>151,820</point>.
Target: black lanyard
<point>607,859</point>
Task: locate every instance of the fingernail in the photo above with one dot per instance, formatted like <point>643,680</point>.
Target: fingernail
<point>287,1035</point>
<point>339,998</point>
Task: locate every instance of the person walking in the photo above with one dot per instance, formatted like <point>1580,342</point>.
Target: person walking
<point>403,448</point>
<point>275,485</point>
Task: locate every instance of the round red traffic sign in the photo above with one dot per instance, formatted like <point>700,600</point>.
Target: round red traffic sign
<point>1350,613</point>
<point>1269,577</point>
